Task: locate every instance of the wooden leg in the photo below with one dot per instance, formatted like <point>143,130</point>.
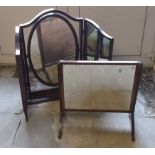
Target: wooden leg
<point>26,115</point>
<point>132,127</point>
<point>60,126</point>
<point>25,109</point>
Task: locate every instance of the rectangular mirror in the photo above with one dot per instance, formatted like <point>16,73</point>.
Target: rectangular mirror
<point>98,85</point>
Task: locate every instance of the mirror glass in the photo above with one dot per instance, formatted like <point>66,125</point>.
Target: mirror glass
<point>91,41</point>
<point>105,48</point>
<point>51,41</point>
<point>98,86</point>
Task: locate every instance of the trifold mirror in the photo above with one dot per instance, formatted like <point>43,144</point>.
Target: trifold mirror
<point>51,36</point>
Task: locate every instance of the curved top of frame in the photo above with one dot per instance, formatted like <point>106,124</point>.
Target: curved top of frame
<point>99,28</point>
<point>51,10</point>
<point>78,19</point>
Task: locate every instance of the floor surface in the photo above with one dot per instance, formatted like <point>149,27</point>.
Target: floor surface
<point>80,129</point>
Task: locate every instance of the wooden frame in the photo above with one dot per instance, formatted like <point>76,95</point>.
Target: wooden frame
<point>99,45</point>
<point>133,95</point>
<point>24,61</point>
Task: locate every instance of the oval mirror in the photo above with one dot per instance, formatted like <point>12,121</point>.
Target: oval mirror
<point>51,40</point>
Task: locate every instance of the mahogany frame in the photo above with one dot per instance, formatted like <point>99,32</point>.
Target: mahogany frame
<point>133,96</point>
<point>24,62</point>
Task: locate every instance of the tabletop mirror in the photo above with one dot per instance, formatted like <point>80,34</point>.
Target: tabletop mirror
<point>52,35</point>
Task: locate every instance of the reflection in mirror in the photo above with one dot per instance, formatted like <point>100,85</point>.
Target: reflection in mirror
<point>52,40</point>
<point>98,86</point>
<point>91,41</point>
<point>36,59</point>
<point>105,48</point>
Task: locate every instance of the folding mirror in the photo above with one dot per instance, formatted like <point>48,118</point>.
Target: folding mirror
<point>50,36</point>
